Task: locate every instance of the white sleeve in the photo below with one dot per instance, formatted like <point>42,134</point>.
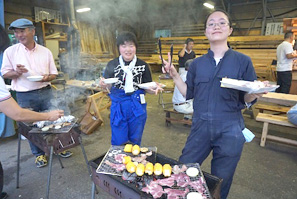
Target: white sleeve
<point>4,93</point>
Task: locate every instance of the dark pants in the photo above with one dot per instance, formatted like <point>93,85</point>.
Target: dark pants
<point>1,178</point>
<point>224,138</point>
<point>39,101</point>
<point>284,80</point>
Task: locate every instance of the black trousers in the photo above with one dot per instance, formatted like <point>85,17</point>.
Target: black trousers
<point>284,80</point>
<point>1,178</point>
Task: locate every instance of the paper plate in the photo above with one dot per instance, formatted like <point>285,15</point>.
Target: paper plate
<point>35,78</point>
<point>149,85</point>
<point>110,80</point>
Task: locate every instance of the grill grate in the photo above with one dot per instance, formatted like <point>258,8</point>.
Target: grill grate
<point>110,156</point>
<point>137,183</point>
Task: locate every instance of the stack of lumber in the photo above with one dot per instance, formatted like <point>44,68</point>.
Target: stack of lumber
<point>290,24</point>
<point>96,40</point>
<point>187,30</point>
<point>261,49</point>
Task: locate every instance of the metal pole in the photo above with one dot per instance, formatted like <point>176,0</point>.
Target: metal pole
<point>2,21</point>
<point>49,171</point>
<point>264,4</point>
<point>18,160</point>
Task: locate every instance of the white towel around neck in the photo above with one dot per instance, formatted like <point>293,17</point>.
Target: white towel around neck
<point>128,73</point>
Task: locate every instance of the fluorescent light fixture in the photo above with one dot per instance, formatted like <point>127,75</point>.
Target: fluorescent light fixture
<point>83,9</point>
<point>208,5</point>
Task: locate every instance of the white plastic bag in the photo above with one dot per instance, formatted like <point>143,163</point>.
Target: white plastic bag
<point>292,115</point>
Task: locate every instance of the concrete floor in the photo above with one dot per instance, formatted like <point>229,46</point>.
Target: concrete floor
<point>262,173</point>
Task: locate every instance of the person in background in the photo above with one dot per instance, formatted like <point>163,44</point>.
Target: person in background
<point>128,108</point>
<point>185,54</point>
<point>27,58</point>
<point>217,123</point>
<point>285,55</point>
<point>180,104</point>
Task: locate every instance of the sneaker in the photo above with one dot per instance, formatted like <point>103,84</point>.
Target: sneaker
<point>40,161</point>
<point>65,154</point>
<point>3,195</point>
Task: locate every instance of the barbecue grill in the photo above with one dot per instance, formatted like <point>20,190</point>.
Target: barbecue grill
<point>50,143</point>
<point>121,189</point>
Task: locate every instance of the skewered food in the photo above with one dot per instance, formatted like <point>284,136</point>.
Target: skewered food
<point>158,169</point>
<point>149,168</point>
<point>126,159</point>
<point>130,166</point>
<point>140,169</point>
<point>135,149</point>
<point>167,170</point>
<point>128,148</point>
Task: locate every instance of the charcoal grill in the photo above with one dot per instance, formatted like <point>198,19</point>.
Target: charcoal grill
<point>121,189</point>
<point>53,143</point>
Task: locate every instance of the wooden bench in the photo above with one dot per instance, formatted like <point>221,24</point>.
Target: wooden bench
<point>169,119</point>
<point>274,119</point>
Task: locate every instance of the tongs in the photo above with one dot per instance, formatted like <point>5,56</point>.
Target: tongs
<point>160,51</point>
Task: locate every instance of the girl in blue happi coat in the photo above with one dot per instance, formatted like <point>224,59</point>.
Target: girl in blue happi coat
<point>128,109</point>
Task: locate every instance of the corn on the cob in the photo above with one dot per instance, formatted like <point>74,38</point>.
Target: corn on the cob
<point>158,169</point>
<point>140,169</point>
<point>149,168</point>
<point>135,149</point>
<point>167,170</point>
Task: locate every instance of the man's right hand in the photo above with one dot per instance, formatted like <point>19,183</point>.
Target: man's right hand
<point>20,69</point>
<point>54,115</point>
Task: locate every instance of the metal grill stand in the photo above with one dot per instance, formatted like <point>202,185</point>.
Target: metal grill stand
<point>50,144</point>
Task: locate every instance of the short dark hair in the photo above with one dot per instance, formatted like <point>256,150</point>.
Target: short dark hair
<point>188,40</point>
<point>126,36</point>
<point>219,10</point>
<point>288,34</point>
<point>4,39</point>
<point>188,63</point>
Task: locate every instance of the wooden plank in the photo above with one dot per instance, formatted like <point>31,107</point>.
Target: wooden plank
<point>279,98</point>
<point>275,108</point>
<point>274,119</point>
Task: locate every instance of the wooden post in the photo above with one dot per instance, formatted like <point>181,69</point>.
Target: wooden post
<point>264,134</point>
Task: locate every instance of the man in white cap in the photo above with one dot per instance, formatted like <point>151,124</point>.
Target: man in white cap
<point>27,58</point>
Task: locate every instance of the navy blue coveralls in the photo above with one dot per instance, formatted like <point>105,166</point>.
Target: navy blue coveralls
<point>127,114</point>
<point>217,122</point>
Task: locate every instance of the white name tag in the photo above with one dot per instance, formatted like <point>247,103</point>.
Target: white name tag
<point>142,99</point>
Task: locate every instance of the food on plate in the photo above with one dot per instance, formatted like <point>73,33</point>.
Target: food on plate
<point>135,149</point>
<point>194,195</point>
<point>46,128</point>
<point>128,148</point>
<point>144,149</point>
<point>192,172</point>
<point>130,166</point>
<point>149,168</point>
<point>167,170</point>
<point>158,169</point>
<point>126,159</point>
<point>140,169</point>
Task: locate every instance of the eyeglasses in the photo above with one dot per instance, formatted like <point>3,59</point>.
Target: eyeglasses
<point>220,24</point>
